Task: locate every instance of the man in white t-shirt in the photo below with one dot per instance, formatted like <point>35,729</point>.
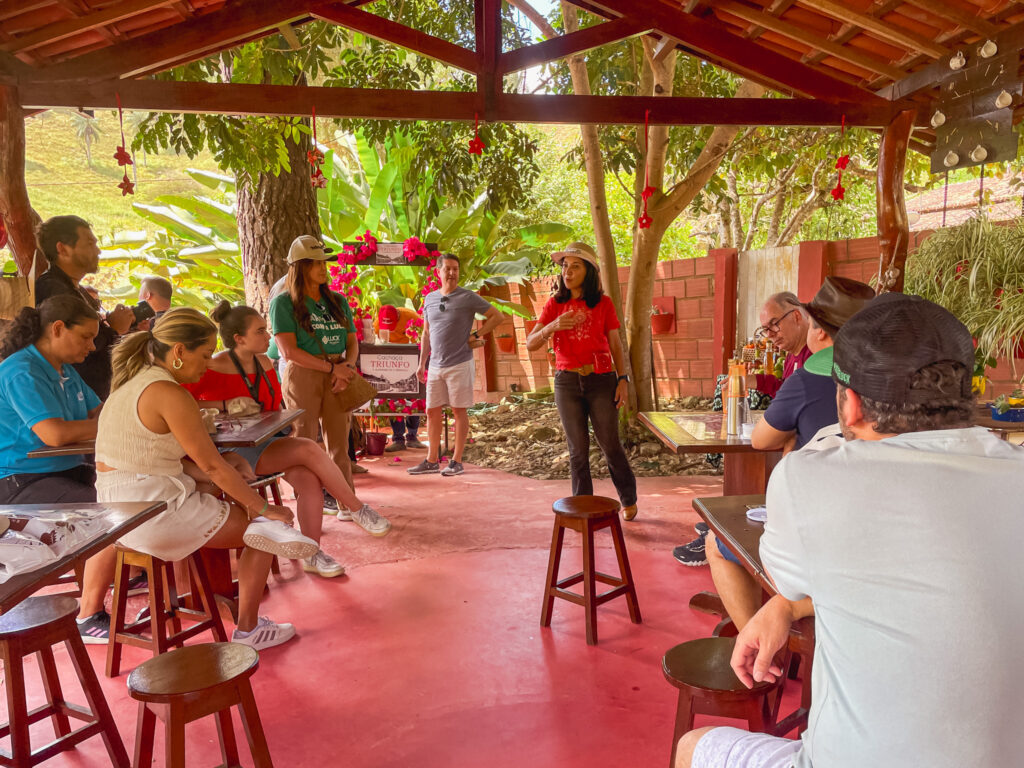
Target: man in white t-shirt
<point>918,632</point>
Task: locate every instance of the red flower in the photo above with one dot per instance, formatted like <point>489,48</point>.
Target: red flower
<point>318,180</point>
<point>126,187</point>
<point>315,157</point>
<point>122,156</point>
<point>476,146</point>
<point>842,162</point>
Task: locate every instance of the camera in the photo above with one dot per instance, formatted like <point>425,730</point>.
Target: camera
<point>143,312</point>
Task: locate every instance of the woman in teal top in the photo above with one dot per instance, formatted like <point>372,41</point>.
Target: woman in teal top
<point>313,332</point>
<point>44,402</point>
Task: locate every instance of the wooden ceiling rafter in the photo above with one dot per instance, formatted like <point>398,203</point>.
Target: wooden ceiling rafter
<point>876,27</point>
<point>957,15</point>
<point>567,45</point>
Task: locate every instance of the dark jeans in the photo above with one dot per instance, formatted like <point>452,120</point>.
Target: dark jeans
<point>592,397</point>
<point>76,485</point>
<point>405,428</point>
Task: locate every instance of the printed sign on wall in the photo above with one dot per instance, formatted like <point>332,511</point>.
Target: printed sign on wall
<point>391,368</point>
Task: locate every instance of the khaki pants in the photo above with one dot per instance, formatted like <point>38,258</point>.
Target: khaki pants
<point>311,390</point>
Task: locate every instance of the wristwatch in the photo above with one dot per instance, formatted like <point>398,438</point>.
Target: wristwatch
<point>476,335</point>
<point>624,377</point>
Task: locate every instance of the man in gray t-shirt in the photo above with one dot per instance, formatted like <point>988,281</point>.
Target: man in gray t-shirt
<point>917,632</point>
<point>447,345</point>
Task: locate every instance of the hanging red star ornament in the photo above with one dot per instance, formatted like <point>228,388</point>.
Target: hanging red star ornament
<point>318,180</point>
<point>476,144</point>
<point>122,155</point>
<point>316,159</point>
<point>644,222</point>
<point>839,191</point>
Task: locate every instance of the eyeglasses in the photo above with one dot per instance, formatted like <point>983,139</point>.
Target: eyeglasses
<point>442,305</point>
<point>772,326</point>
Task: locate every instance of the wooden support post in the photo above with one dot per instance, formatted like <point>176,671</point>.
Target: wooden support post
<point>893,229</point>
<point>14,206</point>
<point>488,52</point>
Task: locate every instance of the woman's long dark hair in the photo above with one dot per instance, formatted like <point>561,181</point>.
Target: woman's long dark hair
<point>592,292</point>
<point>296,285</point>
<point>232,321</point>
<point>32,322</point>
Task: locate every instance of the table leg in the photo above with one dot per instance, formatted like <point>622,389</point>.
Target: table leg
<point>747,473</point>
<point>218,569</point>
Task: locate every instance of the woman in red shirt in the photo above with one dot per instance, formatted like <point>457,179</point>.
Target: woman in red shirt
<point>589,384</point>
<point>243,371</point>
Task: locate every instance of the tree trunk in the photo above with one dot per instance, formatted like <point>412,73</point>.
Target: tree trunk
<point>18,216</point>
<point>273,211</point>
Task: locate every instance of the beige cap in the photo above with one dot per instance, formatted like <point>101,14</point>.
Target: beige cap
<point>308,247</point>
<point>580,251</point>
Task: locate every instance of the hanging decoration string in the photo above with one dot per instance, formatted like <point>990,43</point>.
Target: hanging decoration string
<point>316,159</point>
<point>123,158</point>
<point>644,222</point>
<point>981,188</point>
<point>945,199</point>
<point>839,191</point>
<point>476,144</point>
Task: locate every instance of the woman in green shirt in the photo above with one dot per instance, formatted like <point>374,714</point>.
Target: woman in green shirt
<point>313,332</point>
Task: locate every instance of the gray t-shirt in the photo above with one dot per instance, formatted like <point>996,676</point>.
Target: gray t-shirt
<point>910,547</point>
<point>450,319</point>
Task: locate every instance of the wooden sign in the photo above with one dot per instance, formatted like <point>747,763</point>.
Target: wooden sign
<point>391,368</point>
<point>391,255</point>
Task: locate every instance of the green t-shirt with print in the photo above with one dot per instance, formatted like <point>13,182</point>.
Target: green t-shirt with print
<point>332,335</point>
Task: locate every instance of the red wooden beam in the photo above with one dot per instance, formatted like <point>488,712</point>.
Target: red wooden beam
<point>567,45</point>
<point>488,51</point>
<point>240,99</point>
<point>399,34</point>
<point>714,43</point>
<point>187,41</point>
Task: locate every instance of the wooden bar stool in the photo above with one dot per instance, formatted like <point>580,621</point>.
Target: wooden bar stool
<point>34,626</point>
<point>587,514</point>
<point>193,682</point>
<point>165,606</point>
<point>707,686</point>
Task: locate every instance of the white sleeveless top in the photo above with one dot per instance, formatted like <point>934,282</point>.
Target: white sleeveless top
<point>124,442</point>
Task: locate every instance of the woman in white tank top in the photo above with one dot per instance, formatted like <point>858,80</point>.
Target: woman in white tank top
<point>148,425</point>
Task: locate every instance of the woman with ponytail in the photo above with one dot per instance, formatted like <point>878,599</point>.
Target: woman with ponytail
<point>148,425</point>
<point>44,402</point>
<point>313,332</point>
<point>243,373</point>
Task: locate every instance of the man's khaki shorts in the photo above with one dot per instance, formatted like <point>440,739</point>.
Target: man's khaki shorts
<point>451,386</point>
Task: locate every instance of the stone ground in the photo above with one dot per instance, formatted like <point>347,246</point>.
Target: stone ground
<point>523,435</point>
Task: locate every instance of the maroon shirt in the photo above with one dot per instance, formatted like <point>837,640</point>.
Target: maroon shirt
<point>769,384</point>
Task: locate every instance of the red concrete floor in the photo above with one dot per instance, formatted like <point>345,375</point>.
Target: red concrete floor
<point>429,652</point>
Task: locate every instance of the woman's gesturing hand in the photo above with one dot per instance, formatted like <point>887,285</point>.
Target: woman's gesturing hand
<point>275,512</point>
<point>341,376</point>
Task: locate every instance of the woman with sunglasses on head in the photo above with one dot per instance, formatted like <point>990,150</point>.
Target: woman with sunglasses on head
<point>590,383</point>
<point>243,373</point>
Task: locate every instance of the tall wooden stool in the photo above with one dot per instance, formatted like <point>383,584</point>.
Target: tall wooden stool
<point>34,626</point>
<point>193,682</point>
<point>165,606</point>
<point>707,686</point>
<point>587,514</point>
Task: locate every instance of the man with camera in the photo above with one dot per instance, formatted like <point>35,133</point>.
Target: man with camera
<point>72,252</point>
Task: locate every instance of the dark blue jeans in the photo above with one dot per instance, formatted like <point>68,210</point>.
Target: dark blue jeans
<point>405,428</point>
<point>583,398</point>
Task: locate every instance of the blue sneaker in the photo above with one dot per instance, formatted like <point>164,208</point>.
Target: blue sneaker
<point>702,528</point>
<point>691,554</point>
<point>95,630</point>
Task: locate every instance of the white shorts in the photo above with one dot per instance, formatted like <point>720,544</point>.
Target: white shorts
<point>727,747</point>
<point>451,386</point>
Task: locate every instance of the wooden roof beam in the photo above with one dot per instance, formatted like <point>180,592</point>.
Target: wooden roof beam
<point>712,42</point>
<point>237,20</point>
<point>801,35</point>
<point>876,27</point>
<point>573,43</point>
<point>61,30</point>
<point>245,99</point>
<point>392,32</point>
<point>957,15</point>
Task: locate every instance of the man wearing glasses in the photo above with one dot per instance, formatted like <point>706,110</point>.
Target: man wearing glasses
<point>448,344</point>
<point>784,324</point>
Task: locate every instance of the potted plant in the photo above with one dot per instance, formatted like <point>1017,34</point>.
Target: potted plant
<point>976,271</point>
<point>506,343</point>
<point>661,321</point>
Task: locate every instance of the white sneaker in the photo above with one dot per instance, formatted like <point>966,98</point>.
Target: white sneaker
<point>266,634</point>
<point>279,539</point>
<point>367,519</point>
<point>324,565</point>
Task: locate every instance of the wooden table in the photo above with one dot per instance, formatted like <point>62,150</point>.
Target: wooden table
<point>727,517</point>
<point>242,432</point>
<point>746,470</point>
<point>983,418</point>
<point>127,516</point>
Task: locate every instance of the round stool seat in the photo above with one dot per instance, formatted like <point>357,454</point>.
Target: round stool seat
<point>192,669</point>
<point>36,612</point>
<point>586,507</point>
<point>704,664</point>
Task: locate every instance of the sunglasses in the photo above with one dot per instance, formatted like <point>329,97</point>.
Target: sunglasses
<point>442,306</point>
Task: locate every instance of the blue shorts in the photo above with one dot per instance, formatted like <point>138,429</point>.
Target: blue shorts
<point>253,453</point>
<point>726,552</point>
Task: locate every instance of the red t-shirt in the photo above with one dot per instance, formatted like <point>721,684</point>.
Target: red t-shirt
<point>576,347</point>
<point>224,386</point>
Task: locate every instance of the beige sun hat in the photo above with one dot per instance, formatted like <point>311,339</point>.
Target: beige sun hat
<point>308,247</point>
<point>580,251</point>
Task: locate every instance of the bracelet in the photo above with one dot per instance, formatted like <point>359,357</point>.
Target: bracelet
<point>266,505</point>
<point>331,369</point>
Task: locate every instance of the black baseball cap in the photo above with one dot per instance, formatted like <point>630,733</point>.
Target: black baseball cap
<point>880,349</point>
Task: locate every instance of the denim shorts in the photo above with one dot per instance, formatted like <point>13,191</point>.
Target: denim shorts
<point>726,552</point>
